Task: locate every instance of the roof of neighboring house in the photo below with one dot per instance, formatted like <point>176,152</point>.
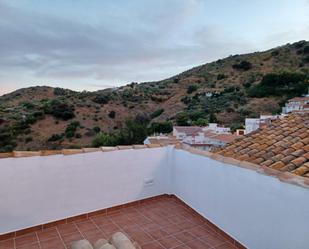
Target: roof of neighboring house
<point>189,130</point>
<point>299,99</point>
<point>163,140</point>
<point>228,138</point>
<point>283,145</point>
<point>221,137</point>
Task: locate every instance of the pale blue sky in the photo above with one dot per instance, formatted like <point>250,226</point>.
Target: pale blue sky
<point>89,45</point>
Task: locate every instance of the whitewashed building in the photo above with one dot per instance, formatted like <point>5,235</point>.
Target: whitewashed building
<point>252,124</point>
<point>296,104</point>
<point>205,138</point>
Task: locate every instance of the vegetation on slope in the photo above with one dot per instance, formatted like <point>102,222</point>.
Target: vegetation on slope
<point>224,91</point>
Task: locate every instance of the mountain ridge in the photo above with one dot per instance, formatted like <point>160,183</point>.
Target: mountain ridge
<point>228,90</point>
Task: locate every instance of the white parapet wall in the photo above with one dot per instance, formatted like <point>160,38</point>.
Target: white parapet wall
<point>257,210</point>
<point>38,190</point>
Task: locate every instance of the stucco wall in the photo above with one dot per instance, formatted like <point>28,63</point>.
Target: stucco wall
<point>259,211</point>
<point>38,190</point>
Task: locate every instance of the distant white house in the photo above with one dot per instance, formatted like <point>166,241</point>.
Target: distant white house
<point>205,138</point>
<point>181,132</point>
<point>209,140</point>
<point>252,124</point>
<point>217,129</point>
<point>296,104</point>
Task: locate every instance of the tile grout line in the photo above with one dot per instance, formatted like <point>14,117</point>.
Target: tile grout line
<point>78,229</point>
<point>158,211</point>
<point>37,237</point>
<point>60,237</point>
<point>184,230</point>
<point>98,227</point>
<point>159,228</point>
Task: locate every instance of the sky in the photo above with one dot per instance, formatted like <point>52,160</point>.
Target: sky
<point>91,45</point>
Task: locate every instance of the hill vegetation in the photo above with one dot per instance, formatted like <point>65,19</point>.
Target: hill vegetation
<point>224,91</point>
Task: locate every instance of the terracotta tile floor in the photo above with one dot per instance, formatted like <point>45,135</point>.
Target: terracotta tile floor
<point>159,224</point>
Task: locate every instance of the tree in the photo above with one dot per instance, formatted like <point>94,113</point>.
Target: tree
<point>134,133</point>
<point>182,119</point>
<point>200,122</point>
<point>212,118</point>
<point>161,127</point>
<point>235,126</point>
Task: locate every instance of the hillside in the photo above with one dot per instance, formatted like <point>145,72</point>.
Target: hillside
<point>227,90</point>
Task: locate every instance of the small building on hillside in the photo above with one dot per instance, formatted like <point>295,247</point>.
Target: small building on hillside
<point>181,132</point>
<point>296,104</point>
<point>205,138</point>
<point>252,124</point>
<point>209,140</point>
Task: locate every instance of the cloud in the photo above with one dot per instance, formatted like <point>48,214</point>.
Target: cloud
<point>56,47</point>
<point>111,44</point>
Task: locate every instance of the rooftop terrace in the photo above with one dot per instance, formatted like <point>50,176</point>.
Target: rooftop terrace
<point>160,223</point>
<point>162,197</point>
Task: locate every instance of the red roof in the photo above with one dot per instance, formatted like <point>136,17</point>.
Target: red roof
<point>299,99</point>
<point>189,130</point>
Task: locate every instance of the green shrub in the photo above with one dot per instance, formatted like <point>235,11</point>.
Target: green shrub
<point>235,126</point>
<point>182,119</point>
<point>30,119</point>
<point>7,140</point>
<point>71,129</point>
<point>28,105</point>
<point>112,114</point>
<point>59,109</point>
<point>103,139</point>
<point>221,76</point>
<point>96,129</point>
<point>8,147</point>
<point>281,84</point>
<point>275,53</point>
<point>156,113</point>
<point>135,132</point>
<point>55,137</point>
<point>191,89</point>
<point>78,135</point>
<point>306,59</point>
<point>101,99</point>
<point>213,118</point>
<point>195,115</point>
<point>243,65</point>
<point>200,122</point>
<point>28,139</point>
<point>59,91</point>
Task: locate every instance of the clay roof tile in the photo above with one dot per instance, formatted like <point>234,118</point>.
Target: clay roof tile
<point>283,145</point>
